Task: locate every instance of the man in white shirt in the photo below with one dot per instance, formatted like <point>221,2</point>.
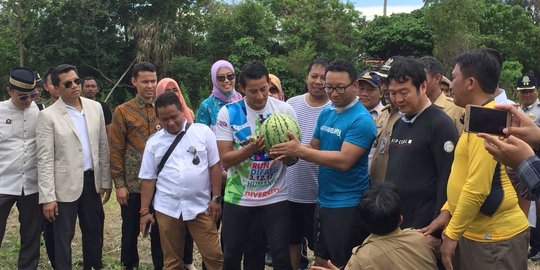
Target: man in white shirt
<point>369,93</point>
<point>255,191</point>
<point>189,176</point>
<point>18,164</point>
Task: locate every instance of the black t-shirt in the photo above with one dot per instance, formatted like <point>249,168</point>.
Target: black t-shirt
<point>420,159</point>
<point>106,112</point>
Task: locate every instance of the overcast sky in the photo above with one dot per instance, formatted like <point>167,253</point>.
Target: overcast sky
<point>370,8</point>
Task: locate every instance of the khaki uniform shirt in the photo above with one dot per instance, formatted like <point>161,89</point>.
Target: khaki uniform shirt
<point>385,122</point>
<point>400,249</point>
<point>452,110</point>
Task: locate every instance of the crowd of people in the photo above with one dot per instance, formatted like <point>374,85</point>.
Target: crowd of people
<point>383,177</point>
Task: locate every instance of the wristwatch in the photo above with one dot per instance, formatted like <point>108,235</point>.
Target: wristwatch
<point>217,199</point>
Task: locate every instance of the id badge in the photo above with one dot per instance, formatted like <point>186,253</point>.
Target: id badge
<point>382,146</point>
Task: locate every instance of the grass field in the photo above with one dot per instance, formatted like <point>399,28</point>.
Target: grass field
<point>111,249</point>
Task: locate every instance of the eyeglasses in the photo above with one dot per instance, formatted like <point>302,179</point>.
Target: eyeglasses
<point>193,151</point>
<point>68,84</point>
<point>221,78</point>
<point>273,90</point>
<point>25,97</point>
<point>338,89</point>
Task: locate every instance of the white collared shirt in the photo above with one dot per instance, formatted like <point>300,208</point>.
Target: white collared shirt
<point>376,110</point>
<point>82,131</point>
<point>18,151</point>
<point>182,187</point>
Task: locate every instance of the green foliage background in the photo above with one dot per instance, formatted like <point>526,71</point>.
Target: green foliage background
<point>184,37</point>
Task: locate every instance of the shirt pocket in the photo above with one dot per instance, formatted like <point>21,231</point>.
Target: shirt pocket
<point>6,130</point>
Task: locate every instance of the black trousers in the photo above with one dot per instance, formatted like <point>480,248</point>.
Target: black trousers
<point>91,220</point>
<point>129,254</point>
<point>30,217</point>
<point>274,220</point>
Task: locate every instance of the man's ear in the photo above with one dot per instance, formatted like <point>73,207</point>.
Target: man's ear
<point>133,81</point>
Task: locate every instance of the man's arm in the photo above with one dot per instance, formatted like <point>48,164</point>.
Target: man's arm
<point>45,152</point>
<point>117,148</point>
<point>444,140</point>
<point>341,160</point>
<point>230,157</point>
<point>529,174</point>
<point>148,187</point>
<point>104,159</point>
<point>118,131</point>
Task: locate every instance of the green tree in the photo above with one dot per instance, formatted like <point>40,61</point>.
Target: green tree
<point>499,32</point>
<point>511,71</point>
<point>455,26</point>
<point>398,34</point>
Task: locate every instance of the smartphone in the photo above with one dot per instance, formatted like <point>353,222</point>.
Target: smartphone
<point>480,119</point>
<point>147,229</point>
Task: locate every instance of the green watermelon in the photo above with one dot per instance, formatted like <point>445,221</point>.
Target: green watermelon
<point>275,129</point>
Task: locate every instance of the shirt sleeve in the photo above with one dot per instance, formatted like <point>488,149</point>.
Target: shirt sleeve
<point>529,174</point>
<point>203,115</point>
<point>117,139</point>
<point>148,169</point>
<point>476,188</point>
<point>362,132</point>
<point>223,127</point>
<point>211,147</point>
<point>444,140</point>
<point>45,151</point>
<point>317,130</point>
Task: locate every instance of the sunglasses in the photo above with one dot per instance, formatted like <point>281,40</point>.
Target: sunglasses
<point>68,84</point>
<point>25,97</point>
<point>273,90</point>
<point>221,78</point>
<point>193,151</point>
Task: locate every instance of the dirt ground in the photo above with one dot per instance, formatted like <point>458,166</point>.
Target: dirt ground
<point>111,248</point>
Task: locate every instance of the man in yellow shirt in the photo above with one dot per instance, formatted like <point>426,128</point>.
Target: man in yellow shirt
<point>481,214</point>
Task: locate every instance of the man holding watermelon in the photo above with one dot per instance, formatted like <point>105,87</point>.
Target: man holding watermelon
<point>255,191</point>
<point>341,141</point>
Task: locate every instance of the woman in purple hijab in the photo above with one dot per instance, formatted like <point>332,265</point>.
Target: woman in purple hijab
<point>223,92</point>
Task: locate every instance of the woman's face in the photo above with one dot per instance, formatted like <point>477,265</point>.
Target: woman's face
<point>225,79</point>
<point>172,88</point>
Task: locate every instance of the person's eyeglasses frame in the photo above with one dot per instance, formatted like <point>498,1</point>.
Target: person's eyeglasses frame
<point>26,96</point>
<point>228,76</point>
<point>69,84</point>
<point>338,89</point>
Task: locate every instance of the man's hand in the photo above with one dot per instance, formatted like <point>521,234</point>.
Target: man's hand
<point>438,223</point>
<point>287,149</point>
<point>214,210</point>
<point>255,145</point>
<point>105,195</point>
<point>331,266</point>
<point>122,195</point>
<point>448,249</point>
<point>148,218</point>
<point>510,152</point>
<point>50,211</point>
<point>522,126</point>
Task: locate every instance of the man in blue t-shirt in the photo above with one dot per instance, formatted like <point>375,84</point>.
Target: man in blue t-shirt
<point>340,145</point>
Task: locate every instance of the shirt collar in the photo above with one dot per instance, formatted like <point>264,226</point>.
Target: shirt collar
<point>440,101</point>
<point>372,237</point>
<point>141,103</point>
<point>344,108</point>
<point>411,121</point>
